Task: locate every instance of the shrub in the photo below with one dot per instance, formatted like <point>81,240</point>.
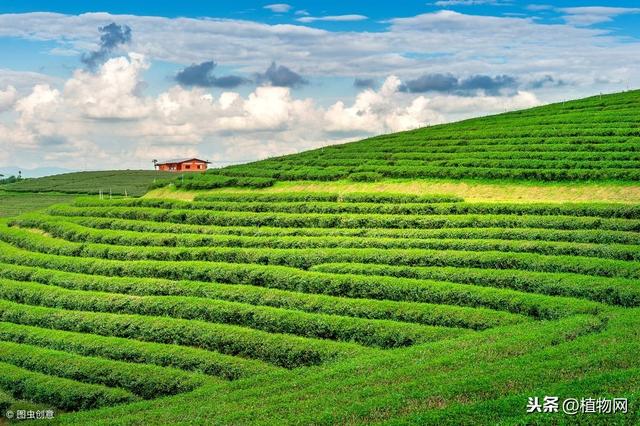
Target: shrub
<point>143,380</point>
<point>66,394</point>
<point>267,197</point>
<point>160,183</point>
<point>613,291</point>
<point>365,177</point>
<point>10,179</point>
<point>422,313</point>
<point>5,401</point>
<point>313,282</point>
<point>78,233</point>
<point>381,333</point>
<point>134,351</point>
<point>281,350</point>
<point>529,234</point>
<point>315,220</point>
<point>305,258</point>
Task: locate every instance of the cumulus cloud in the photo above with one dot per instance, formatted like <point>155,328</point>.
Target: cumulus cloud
<point>390,109</point>
<point>281,76</point>
<point>590,15</point>
<point>104,119</point>
<point>7,97</point>
<point>380,111</point>
<point>40,103</point>
<point>334,18</point>
<point>36,120</point>
<point>448,83</point>
<point>111,36</point>
<point>278,7</point>
<point>201,75</point>
<point>112,93</point>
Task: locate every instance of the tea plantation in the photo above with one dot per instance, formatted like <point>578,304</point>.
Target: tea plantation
<point>115,182</point>
<point>258,307</point>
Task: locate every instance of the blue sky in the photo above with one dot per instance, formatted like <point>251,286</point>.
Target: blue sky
<point>376,12</point>
<point>109,84</point>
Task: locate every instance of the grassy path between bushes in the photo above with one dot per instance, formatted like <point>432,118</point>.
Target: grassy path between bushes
<point>469,190</point>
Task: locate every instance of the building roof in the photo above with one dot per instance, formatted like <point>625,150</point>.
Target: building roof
<point>181,160</point>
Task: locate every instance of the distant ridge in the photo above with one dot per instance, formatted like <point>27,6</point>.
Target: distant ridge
<point>33,173</point>
<point>115,182</point>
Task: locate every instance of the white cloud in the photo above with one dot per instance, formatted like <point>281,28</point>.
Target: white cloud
<point>385,110</point>
<point>589,15</point>
<point>539,7</point>
<point>40,103</point>
<point>448,3</point>
<point>102,120</point>
<point>278,7</point>
<point>389,110</point>
<point>7,97</point>
<point>464,44</point>
<point>23,81</point>
<point>336,18</point>
<point>111,92</point>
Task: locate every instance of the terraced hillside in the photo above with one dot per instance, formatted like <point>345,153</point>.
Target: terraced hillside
<point>318,308</point>
<point>597,138</point>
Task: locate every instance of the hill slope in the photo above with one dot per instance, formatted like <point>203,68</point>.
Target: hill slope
<point>596,138</point>
<point>134,182</point>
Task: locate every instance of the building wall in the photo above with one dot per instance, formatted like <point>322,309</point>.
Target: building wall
<point>193,166</point>
<point>189,166</point>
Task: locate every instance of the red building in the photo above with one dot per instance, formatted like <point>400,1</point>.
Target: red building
<point>182,165</point>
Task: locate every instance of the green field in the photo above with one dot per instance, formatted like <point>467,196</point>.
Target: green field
<point>116,182</point>
<point>414,301</point>
<point>15,203</point>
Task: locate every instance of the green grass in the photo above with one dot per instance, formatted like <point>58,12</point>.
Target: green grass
<point>134,182</point>
<point>469,189</point>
